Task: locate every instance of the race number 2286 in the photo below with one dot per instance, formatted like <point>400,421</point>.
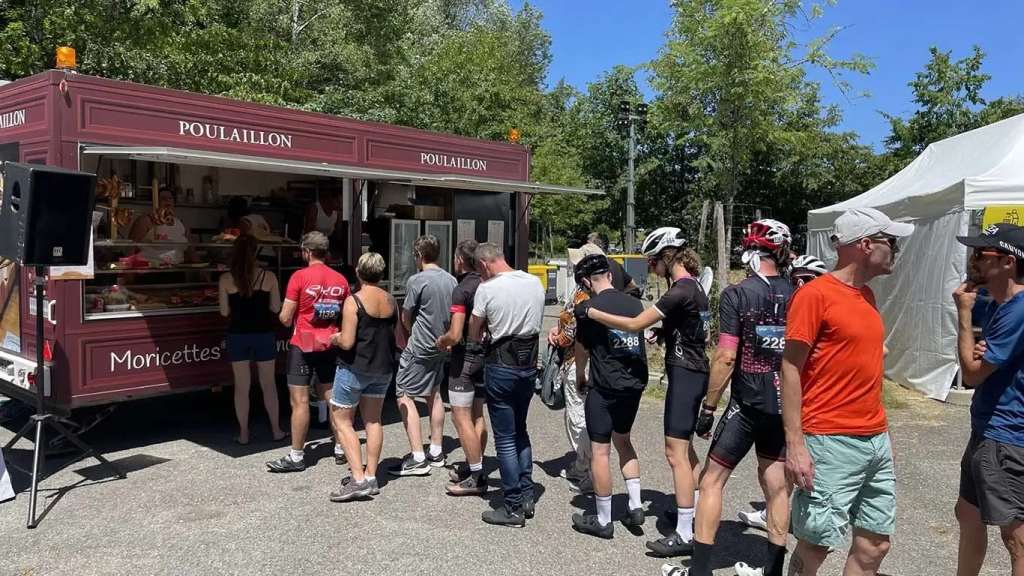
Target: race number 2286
<point>770,340</point>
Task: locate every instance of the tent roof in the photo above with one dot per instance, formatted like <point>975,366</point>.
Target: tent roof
<point>983,167</point>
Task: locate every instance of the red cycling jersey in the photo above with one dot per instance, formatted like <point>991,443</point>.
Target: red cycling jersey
<point>318,292</point>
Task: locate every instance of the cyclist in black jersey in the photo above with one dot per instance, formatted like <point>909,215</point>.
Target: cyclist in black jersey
<point>803,269</point>
<point>752,318</point>
<point>684,312</point>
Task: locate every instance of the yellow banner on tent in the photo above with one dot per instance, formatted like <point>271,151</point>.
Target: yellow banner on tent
<point>996,214</point>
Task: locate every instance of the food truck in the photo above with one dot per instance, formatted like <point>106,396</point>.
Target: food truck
<point>141,318</point>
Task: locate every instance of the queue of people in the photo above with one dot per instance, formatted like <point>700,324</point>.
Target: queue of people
<point>801,347</point>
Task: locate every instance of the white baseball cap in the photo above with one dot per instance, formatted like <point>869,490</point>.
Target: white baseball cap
<point>577,254</point>
<point>858,223</point>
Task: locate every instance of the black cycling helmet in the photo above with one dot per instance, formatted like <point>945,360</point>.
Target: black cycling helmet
<point>591,265</point>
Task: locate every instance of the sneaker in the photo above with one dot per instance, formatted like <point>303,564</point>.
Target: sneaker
<point>588,524</point>
<point>671,546</point>
<point>585,486</point>
<point>504,517</point>
<point>670,570</point>
<point>743,569</point>
<point>436,461</point>
<point>575,473</point>
<point>351,490</point>
<point>634,518</point>
<point>755,519</point>
<point>340,459</point>
<point>458,472</point>
<point>286,464</point>
<point>473,485</point>
<point>529,506</point>
<point>374,486</point>
<point>410,467</point>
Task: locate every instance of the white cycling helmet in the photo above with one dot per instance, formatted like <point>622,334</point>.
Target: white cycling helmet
<point>809,263</point>
<point>664,237</point>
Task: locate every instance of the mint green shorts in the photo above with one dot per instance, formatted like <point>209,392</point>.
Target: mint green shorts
<point>854,484</point>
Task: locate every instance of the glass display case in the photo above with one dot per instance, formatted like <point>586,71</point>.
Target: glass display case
<point>167,278</point>
<point>403,234</point>
<point>442,230</point>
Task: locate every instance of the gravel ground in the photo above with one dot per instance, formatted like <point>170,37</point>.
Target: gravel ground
<point>196,503</point>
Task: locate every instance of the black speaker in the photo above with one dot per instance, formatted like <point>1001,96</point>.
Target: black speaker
<point>46,215</point>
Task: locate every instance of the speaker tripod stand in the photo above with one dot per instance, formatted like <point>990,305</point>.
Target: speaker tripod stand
<point>41,418</point>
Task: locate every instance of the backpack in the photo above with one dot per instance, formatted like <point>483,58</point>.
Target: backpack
<point>552,392</point>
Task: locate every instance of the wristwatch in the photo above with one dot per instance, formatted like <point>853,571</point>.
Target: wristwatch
<point>705,406</point>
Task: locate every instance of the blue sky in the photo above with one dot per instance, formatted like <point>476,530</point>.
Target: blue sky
<point>591,36</point>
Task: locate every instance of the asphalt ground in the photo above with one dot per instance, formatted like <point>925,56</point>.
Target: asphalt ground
<point>194,502</point>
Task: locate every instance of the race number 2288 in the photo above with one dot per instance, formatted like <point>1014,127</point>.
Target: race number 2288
<point>624,344</point>
<point>770,340</point>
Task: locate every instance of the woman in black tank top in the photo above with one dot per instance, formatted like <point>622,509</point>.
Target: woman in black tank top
<point>249,298</point>
<point>365,366</point>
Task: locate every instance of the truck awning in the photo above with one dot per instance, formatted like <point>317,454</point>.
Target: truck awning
<point>260,164</point>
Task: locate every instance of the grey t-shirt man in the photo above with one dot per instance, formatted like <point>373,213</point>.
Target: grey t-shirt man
<point>428,297</point>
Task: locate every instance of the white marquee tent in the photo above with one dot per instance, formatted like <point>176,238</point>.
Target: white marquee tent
<point>937,192</point>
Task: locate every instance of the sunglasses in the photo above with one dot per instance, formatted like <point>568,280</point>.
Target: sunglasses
<point>980,253</point>
<point>886,239</point>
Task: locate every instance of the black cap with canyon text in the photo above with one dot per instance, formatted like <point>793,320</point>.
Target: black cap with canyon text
<point>1001,236</point>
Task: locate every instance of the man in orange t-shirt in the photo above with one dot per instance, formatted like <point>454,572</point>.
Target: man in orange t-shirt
<point>837,441</point>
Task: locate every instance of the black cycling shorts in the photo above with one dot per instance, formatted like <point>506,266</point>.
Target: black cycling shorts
<point>742,427</point>
<point>609,411</point>
<point>686,391</point>
<point>304,366</point>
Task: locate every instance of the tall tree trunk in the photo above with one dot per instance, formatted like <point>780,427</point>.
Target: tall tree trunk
<point>703,224</point>
<point>295,21</point>
<point>722,273</point>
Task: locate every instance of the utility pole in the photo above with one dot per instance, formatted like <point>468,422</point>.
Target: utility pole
<point>627,119</point>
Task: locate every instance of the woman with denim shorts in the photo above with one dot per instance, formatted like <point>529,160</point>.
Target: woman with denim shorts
<point>365,367</point>
<point>249,296</point>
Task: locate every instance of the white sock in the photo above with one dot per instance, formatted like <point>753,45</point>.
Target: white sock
<point>633,488</point>
<point>435,450</point>
<point>339,450</point>
<point>296,455</point>
<point>418,456</point>
<point>476,467</point>
<point>684,523</point>
<point>369,478</point>
<point>604,510</point>
<point>696,496</point>
<point>322,406</point>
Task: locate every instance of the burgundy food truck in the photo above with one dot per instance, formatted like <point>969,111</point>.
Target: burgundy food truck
<point>142,318</point>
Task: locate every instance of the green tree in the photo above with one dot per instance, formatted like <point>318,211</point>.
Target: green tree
<point>729,75</point>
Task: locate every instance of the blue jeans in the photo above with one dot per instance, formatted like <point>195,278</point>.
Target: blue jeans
<point>509,392</point>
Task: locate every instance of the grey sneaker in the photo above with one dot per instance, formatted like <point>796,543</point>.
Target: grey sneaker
<point>351,490</point>
<point>436,461</point>
<point>585,486</point>
<point>374,486</point>
<point>410,467</point>
<point>575,473</point>
<point>473,485</point>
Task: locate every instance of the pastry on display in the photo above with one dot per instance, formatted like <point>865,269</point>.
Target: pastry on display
<point>122,216</point>
<point>228,236</point>
<point>163,216</point>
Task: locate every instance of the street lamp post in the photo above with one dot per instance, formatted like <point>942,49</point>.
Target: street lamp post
<point>628,120</point>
